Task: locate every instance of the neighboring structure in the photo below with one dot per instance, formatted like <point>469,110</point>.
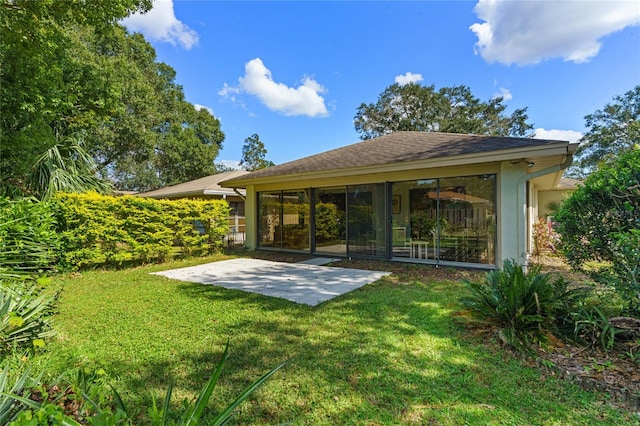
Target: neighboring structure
<point>209,187</point>
<point>442,198</point>
<point>549,200</point>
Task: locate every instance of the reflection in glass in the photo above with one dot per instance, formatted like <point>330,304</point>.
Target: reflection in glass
<point>467,207</point>
<point>450,219</point>
<point>330,221</point>
<point>365,216</point>
<point>295,220</point>
<point>269,207</point>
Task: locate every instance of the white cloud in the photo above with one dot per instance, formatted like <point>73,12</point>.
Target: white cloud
<point>257,81</point>
<point>409,77</point>
<point>505,94</point>
<point>199,107</point>
<point>527,32</point>
<point>161,24</point>
<point>555,134</point>
<point>233,164</point>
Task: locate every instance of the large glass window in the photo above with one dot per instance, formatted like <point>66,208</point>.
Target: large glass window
<point>330,220</point>
<point>467,209</point>
<point>295,220</point>
<point>449,219</point>
<point>269,207</point>
<point>365,217</point>
<point>283,219</point>
<point>445,219</point>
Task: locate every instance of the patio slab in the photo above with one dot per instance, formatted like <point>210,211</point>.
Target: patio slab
<point>298,282</point>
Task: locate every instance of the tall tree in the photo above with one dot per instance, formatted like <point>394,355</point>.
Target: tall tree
<point>612,131</point>
<point>66,72</point>
<point>254,153</point>
<point>37,76</point>
<point>450,109</point>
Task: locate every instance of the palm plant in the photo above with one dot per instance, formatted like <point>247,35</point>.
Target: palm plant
<point>24,315</point>
<point>193,412</point>
<point>65,167</point>
<point>523,305</point>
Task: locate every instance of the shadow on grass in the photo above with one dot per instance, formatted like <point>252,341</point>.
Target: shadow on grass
<point>384,354</point>
<point>387,353</point>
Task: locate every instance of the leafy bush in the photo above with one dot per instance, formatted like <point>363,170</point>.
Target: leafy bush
<point>329,222</point>
<point>523,305</point>
<point>14,384</point>
<point>28,237</point>
<point>591,327</point>
<point>25,315</point>
<point>600,222</point>
<point>98,229</point>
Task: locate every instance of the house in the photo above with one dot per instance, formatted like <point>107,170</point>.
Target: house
<point>428,197</point>
<point>209,187</point>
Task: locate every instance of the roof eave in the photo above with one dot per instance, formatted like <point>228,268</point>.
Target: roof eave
<point>560,148</point>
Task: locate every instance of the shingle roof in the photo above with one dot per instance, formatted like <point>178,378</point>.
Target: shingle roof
<point>207,185</point>
<point>398,147</point>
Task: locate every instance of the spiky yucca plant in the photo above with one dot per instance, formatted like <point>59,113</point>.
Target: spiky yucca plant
<point>521,304</point>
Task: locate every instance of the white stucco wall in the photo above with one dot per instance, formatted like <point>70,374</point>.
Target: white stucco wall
<point>512,213</point>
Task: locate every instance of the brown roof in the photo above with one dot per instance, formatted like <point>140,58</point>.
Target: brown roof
<point>208,185</point>
<point>569,183</point>
<point>397,147</point>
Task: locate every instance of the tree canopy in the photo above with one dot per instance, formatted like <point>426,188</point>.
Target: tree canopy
<point>70,71</point>
<point>254,153</point>
<point>612,131</point>
<point>449,109</point>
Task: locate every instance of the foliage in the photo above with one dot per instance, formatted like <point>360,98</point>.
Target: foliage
<point>600,222</point>
<point>329,222</point>
<point>612,131</point>
<point>545,238</point>
<point>97,229</point>
<point>25,315</point>
<point>28,238</point>
<point>523,305</point>
<point>193,413</point>
<point>65,167</point>
<point>254,153</point>
<point>72,71</point>
<point>591,327</point>
<point>423,226</point>
<point>14,383</point>
<point>449,109</point>
<point>47,408</point>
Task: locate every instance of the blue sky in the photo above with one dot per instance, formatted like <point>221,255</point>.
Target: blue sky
<point>296,72</point>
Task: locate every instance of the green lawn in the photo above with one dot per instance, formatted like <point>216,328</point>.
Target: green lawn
<point>388,353</point>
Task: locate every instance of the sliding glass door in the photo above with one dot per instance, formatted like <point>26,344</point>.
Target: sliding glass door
<point>447,219</point>
<point>366,220</point>
<point>331,220</point>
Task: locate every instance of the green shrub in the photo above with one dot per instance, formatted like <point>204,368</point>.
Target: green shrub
<point>98,230</point>
<point>28,237</point>
<point>522,305</point>
<point>600,222</point>
<point>25,315</point>
<point>329,222</point>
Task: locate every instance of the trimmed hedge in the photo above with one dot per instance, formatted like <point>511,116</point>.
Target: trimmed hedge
<point>106,230</point>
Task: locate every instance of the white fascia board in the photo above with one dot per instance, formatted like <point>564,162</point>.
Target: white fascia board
<point>218,192</point>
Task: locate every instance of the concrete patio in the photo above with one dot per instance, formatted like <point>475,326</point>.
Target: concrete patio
<point>307,282</point>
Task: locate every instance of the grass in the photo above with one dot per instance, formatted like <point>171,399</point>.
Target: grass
<point>388,353</point>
